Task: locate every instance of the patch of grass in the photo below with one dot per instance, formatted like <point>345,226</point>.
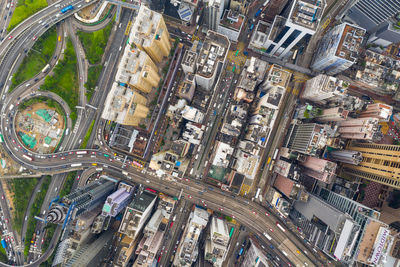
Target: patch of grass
<point>69,181</point>
<point>38,57</point>
<point>24,9</point>
<point>94,43</point>
<point>3,255</point>
<point>64,82</point>
<point>41,99</point>
<point>93,77</point>
<point>22,189</point>
<point>50,228</point>
<point>87,136</point>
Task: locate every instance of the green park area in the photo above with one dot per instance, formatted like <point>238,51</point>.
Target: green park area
<point>94,43</point>
<point>35,211</point>
<point>64,81</point>
<point>22,190</point>
<point>24,9</point>
<point>38,57</point>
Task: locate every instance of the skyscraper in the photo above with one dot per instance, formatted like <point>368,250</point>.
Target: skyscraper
<point>150,34</point>
<point>82,200</point>
<point>379,110</point>
<point>346,156</point>
<point>360,129</point>
<point>378,17</point>
<point>215,10</point>
<point>306,138</point>
<point>324,88</point>
<point>117,200</point>
<point>338,49</point>
<point>274,8</point>
<point>303,19</point>
<point>380,164</point>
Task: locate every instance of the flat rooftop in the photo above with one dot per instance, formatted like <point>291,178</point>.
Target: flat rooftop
<point>350,42</point>
<point>142,201</point>
<point>232,20</point>
<point>213,51</point>
<point>307,13</point>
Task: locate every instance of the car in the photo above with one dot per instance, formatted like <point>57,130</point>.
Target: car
<point>190,197</point>
<point>221,209</point>
<point>10,37</point>
<point>2,197</point>
<point>78,177</point>
<point>93,152</point>
<point>62,158</point>
<point>272,230</point>
<point>6,220</point>
<point>34,38</point>
<point>12,4</point>
<point>255,213</point>
<point>13,141</point>
<point>54,156</point>
<point>70,153</point>
<point>267,213</point>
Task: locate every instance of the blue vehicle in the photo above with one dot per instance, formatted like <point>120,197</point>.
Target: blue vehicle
<point>241,252</point>
<point>258,13</point>
<point>66,9</point>
<point>3,243</point>
<point>251,27</point>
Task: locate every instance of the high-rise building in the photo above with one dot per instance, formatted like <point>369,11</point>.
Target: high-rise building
<point>346,156</point>
<point>215,10</point>
<point>125,106</point>
<point>231,24</point>
<point>301,22</point>
<point>136,214</point>
<point>332,114</point>
<point>152,239</point>
<point>378,17</point>
<point>212,56</point>
<point>380,164</point>
<point>306,138</point>
<point>323,88</point>
<point>255,256</point>
<point>379,110</point>
<point>338,49</point>
<point>188,250</point>
<point>320,169</point>
<point>137,70</point>
<point>81,200</point>
<point>216,246</point>
<point>117,200</point>
<point>360,129</point>
<point>274,8</point>
<point>325,227</point>
<point>150,34</point>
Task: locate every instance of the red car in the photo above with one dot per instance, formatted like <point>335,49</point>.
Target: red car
<point>10,37</point>
<point>34,38</point>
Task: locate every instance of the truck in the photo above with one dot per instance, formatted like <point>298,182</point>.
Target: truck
<point>27,157</point>
<point>81,152</point>
<point>66,9</point>
<point>125,173</point>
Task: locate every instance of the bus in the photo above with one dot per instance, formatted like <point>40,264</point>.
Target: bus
<point>76,165</point>
<point>27,157</point>
<point>267,236</point>
<point>66,9</point>
<point>272,165</point>
<point>257,193</point>
<point>234,67</point>
<point>237,52</point>
<point>231,232</point>
<point>275,153</point>
<point>81,152</point>
<point>3,243</point>
<point>280,227</point>
<point>106,155</point>
<point>1,138</point>
<point>46,68</point>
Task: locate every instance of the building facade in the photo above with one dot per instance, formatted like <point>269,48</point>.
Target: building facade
<point>324,88</point>
<point>380,164</point>
<point>338,49</point>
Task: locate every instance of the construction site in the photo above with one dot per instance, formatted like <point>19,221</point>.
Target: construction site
<point>40,128</point>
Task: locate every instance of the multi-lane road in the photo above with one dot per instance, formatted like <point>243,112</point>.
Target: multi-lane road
<point>250,214</point>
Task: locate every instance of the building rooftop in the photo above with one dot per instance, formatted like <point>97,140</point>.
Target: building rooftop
<point>252,74</point>
<point>214,50</point>
<point>284,185</point>
<point>350,42</point>
<point>278,76</point>
<point>223,153</point>
<point>307,13</point>
<point>142,201</point>
<point>189,58</point>
<point>232,20</point>
<point>246,164</point>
